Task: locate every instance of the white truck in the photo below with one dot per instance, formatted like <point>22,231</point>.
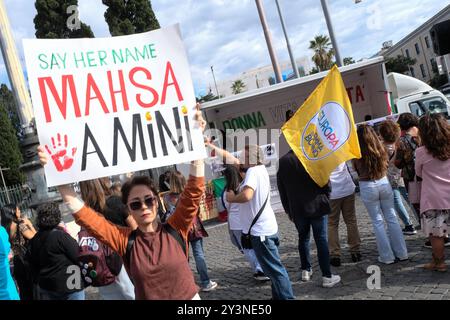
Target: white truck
<point>371,92</point>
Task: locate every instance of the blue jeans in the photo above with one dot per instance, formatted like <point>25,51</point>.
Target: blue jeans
<point>378,199</point>
<point>235,236</point>
<point>200,263</point>
<point>319,227</point>
<point>51,295</point>
<point>399,207</point>
<point>270,261</point>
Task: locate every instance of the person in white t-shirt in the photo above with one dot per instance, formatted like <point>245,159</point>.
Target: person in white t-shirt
<point>234,179</point>
<point>254,193</point>
<point>342,199</point>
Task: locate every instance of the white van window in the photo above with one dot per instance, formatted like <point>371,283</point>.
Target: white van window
<point>416,109</point>
<point>433,105</point>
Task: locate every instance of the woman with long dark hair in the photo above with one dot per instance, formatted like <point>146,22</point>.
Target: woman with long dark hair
<point>390,135</point>
<point>233,182</point>
<point>20,231</point>
<point>433,166</point>
<point>406,148</point>
<point>377,196</point>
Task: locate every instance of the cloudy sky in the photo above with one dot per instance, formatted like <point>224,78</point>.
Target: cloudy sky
<point>228,35</point>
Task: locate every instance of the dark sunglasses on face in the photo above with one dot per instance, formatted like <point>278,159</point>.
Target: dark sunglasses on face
<point>137,204</point>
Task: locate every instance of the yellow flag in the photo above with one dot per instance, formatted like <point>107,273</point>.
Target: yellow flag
<point>322,132</point>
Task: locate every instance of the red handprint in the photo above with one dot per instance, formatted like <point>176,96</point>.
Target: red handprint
<point>61,154</point>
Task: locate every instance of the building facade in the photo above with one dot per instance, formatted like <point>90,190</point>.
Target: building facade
<point>262,77</point>
<point>418,45</point>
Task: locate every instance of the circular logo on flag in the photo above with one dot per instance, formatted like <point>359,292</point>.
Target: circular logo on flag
<point>326,132</point>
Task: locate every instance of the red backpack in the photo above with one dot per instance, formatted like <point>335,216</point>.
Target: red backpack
<point>99,264</point>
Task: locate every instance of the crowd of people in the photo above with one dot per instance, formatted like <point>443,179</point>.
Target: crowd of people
<point>134,240</point>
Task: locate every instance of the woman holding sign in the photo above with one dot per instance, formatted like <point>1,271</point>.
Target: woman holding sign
<point>154,254</point>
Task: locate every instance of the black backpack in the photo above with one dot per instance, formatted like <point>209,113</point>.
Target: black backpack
<point>409,171</point>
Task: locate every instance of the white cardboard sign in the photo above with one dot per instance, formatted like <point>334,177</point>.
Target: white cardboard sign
<point>108,106</point>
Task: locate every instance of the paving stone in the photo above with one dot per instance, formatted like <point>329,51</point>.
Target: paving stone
<point>439,291</point>
<point>406,280</point>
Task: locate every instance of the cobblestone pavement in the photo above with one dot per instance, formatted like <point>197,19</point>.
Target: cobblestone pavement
<point>403,280</point>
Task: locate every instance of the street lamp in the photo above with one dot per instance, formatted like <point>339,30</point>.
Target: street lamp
<point>331,31</point>
<point>215,83</point>
<point>291,55</point>
<point>273,57</point>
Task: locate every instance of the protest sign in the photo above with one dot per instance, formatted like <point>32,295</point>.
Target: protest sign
<point>107,106</point>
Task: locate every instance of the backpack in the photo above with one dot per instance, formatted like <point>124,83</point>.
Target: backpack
<point>409,171</point>
<point>99,264</point>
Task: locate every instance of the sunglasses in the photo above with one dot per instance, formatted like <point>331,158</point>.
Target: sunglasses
<point>137,204</point>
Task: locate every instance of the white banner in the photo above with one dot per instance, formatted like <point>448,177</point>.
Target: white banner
<point>107,106</point>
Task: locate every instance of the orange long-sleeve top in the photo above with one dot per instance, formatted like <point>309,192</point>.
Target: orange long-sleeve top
<point>158,266</point>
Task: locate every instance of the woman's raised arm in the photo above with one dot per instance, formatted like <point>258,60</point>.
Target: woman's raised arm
<point>112,235</point>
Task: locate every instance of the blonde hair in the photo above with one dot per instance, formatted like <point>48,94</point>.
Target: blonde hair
<point>177,182</point>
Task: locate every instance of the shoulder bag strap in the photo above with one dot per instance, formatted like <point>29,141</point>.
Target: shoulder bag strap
<point>174,233</point>
<point>131,239</point>
<point>259,213</point>
<point>411,142</point>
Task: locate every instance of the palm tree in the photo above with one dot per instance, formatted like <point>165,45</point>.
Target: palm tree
<point>238,86</point>
<point>323,52</point>
<point>348,60</point>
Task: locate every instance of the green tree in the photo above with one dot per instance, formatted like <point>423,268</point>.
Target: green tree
<point>348,60</point>
<point>314,70</point>
<point>51,21</point>
<point>9,103</point>
<point>208,97</point>
<point>130,16</point>
<point>399,64</point>
<point>438,81</point>
<point>10,156</point>
<point>237,87</point>
<point>323,52</point>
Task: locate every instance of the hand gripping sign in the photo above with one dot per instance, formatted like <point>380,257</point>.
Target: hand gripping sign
<point>108,106</point>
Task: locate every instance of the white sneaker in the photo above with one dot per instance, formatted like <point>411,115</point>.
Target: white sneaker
<point>211,286</point>
<point>306,275</point>
<point>331,282</point>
